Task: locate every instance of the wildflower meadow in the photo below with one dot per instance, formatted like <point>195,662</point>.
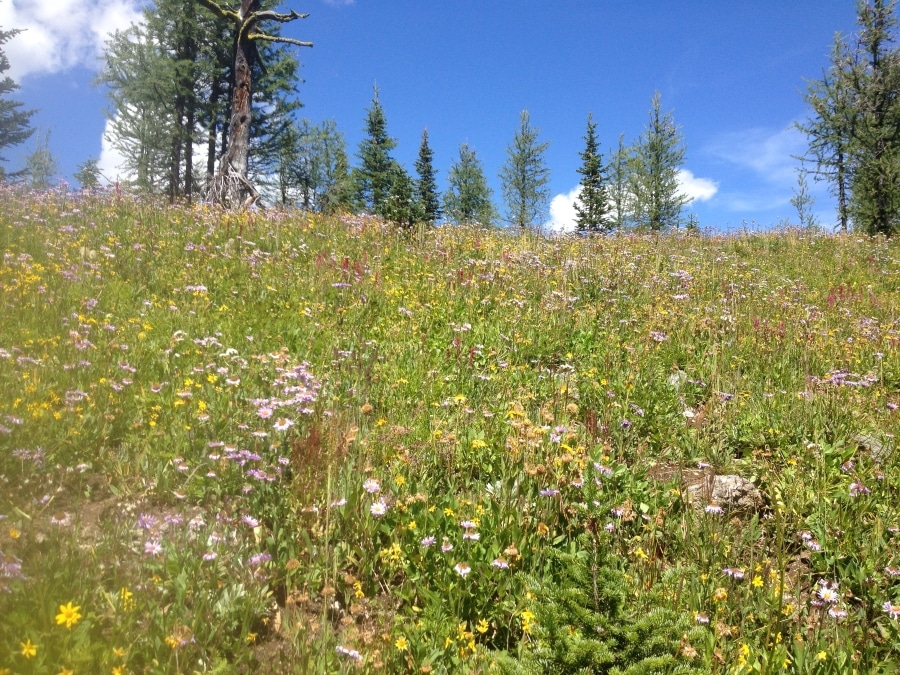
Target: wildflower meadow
<point>286,443</point>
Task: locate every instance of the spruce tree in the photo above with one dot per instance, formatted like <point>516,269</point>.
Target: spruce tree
<point>401,206</point>
<point>426,185</point>
<point>468,199</point>
<point>88,174</point>
<point>592,204</point>
<point>654,171</point>
<point>374,174</point>
<point>524,177</point>
<point>14,120</point>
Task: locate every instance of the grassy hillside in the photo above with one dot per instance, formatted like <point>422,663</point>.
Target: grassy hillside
<point>283,443</point>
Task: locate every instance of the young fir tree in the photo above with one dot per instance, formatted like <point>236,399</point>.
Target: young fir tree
<point>88,174</point>
<point>592,205</point>
<point>426,186</point>
<point>468,199</point>
<point>14,121</point>
<point>373,176</point>
<point>656,159</point>
<point>312,162</point>
<point>618,185</point>
<point>401,206</point>
<point>524,177</point>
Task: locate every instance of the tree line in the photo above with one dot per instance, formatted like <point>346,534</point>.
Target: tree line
<point>174,82</point>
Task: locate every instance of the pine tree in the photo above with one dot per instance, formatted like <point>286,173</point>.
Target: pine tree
<point>14,121</point>
<point>426,185</point>
<point>618,183</point>
<point>373,176</point>
<point>592,204</point>
<point>654,171</point>
<point>525,176</point>
<point>468,199</point>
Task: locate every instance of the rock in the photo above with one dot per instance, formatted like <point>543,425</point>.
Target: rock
<point>878,450</point>
<point>733,494</point>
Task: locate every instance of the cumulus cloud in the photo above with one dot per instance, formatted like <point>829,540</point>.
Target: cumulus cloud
<point>562,212</point>
<point>111,162</point>
<point>562,206</point>
<point>694,188</point>
<point>60,34</point>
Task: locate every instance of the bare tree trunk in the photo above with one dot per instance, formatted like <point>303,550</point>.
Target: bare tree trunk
<point>231,188</point>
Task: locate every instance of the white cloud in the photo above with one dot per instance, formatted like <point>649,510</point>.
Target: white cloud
<point>562,212</point>
<point>60,34</point>
<point>111,161</point>
<point>562,206</point>
<point>767,153</point>
<point>694,188</point>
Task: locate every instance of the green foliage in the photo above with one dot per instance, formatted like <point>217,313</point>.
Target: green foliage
<point>803,201</point>
<point>468,198</point>
<point>312,172</point>
<point>853,133</point>
<point>618,185</point>
<point>401,206</point>
<point>524,177</point>
<point>584,623</point>
<point>88,174</point>
<point>40,164</point>
<point>375,173</point>
<point>426,186</point>
<point>14,121</point>
<point>653,175</point>
<point>168,81</point>
<point>592,205</point>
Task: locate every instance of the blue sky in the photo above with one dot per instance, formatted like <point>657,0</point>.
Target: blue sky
<point>731,71</point>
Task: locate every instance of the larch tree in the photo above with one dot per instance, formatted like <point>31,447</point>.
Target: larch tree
<point>655,161</point>
<point>231,186</point>
<point>618,185</point>
<point>15,121</point>
<point>592,205</point>
<point>426,185</point>
<point>468,199</point>
<point>524,177</point>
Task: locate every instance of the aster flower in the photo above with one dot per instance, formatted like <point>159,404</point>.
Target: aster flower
<point>153,547</point>
<point>378,508</point>
<point>462,569</point>
<point>892,610</point>
<point>427,542</point>
<point>500,563</point>
<point>372,486</point>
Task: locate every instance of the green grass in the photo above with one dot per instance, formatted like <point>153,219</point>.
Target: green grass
<point>273,442</point>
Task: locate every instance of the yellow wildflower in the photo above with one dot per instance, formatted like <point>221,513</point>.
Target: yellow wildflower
<point>29,649</point>
<point>68,615</point>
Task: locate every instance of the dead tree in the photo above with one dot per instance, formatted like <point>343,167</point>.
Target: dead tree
<point>231,186</point>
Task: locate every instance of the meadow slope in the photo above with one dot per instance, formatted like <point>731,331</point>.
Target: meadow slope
<point>270,442</point>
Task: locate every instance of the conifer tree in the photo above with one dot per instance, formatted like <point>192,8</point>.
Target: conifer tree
<point>468,199</point>
<point>524,177</point>
<point>14,120</point>
<point>854,132</point>
<point>374,174</point>
<point>401,206</point>
<point>88,174</point>
<point>618,184</point>
<point>40,164</point>
<point>426,185</point>
<point>592,204</point>
<point>654,171</point>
